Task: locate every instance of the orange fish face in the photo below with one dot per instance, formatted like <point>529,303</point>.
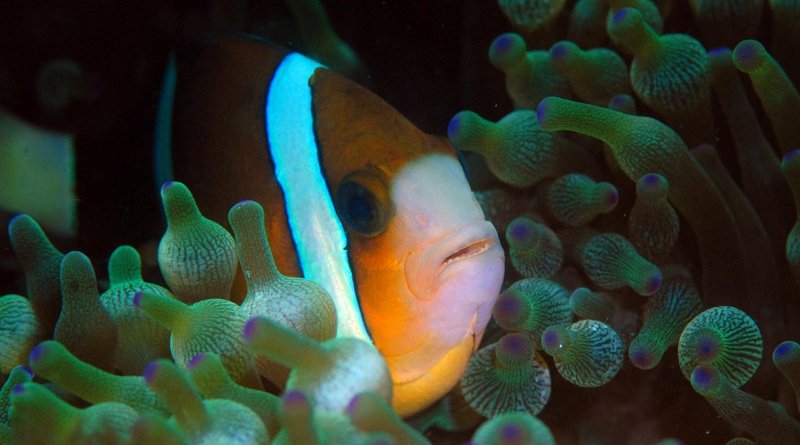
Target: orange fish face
<point>427,265</point>
<point>427,307</point>
<point>418,268</point>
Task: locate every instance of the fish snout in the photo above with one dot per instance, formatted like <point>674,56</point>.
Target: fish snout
<point>461,250</point>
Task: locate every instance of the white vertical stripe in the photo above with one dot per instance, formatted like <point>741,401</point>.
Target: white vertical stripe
<point>316,229</point>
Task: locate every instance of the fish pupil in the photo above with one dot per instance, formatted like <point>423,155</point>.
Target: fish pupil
<point>360,208</point>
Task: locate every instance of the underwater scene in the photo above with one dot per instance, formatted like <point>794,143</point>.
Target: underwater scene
<point>381,222</point>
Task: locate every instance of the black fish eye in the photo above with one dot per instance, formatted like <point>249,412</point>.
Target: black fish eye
<point>363,204</point>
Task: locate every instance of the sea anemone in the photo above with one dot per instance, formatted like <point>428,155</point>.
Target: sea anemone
<point>640,174</point>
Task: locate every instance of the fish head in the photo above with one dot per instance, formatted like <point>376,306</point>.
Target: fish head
<point>426,263</point>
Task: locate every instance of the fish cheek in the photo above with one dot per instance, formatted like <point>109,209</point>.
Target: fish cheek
<point>394,318</point>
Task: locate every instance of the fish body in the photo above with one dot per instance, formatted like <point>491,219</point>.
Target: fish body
<point>356,198</point>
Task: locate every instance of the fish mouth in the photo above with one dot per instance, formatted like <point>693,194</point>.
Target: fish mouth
<point>427,266</point>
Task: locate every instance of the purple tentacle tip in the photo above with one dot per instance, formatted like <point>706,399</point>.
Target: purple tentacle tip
<point>783,350</point>
<point>642,358</point>
<point>707,349</point>
<point>508,307</point>
<point>351,406</point>
<point>249,328</point>
<point>511,433</point>
<point>653,284</point>
<point>541,111</point>
<point>551,338</point>
<point>294,398</point>
<point>612,198</point>
<point>166,184</point>
<point>620,15</point>
<point>721,51</point>
<point>559,51</point>
<point>195,360</point>
<point>149,372</point>
<point>453,126</point>
<point>18,389</point>
<point>137,299</point>
<point>747,50</point>
<point>521,232</point>
<point>36,353</point>
<point>703,377</point>
<point>792,154</point>
<point>514,344</point>
<point>501,44</point>
<point>618,101</point>
<point>16,217</point>
<point>652,179</point>
<point>243,202</point>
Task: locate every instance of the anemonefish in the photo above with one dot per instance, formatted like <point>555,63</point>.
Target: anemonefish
<point>356,198</point>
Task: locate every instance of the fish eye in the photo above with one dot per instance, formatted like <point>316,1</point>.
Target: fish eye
<point>362,201</point>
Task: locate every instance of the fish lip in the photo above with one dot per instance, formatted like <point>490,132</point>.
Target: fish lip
<point>426,265</point>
